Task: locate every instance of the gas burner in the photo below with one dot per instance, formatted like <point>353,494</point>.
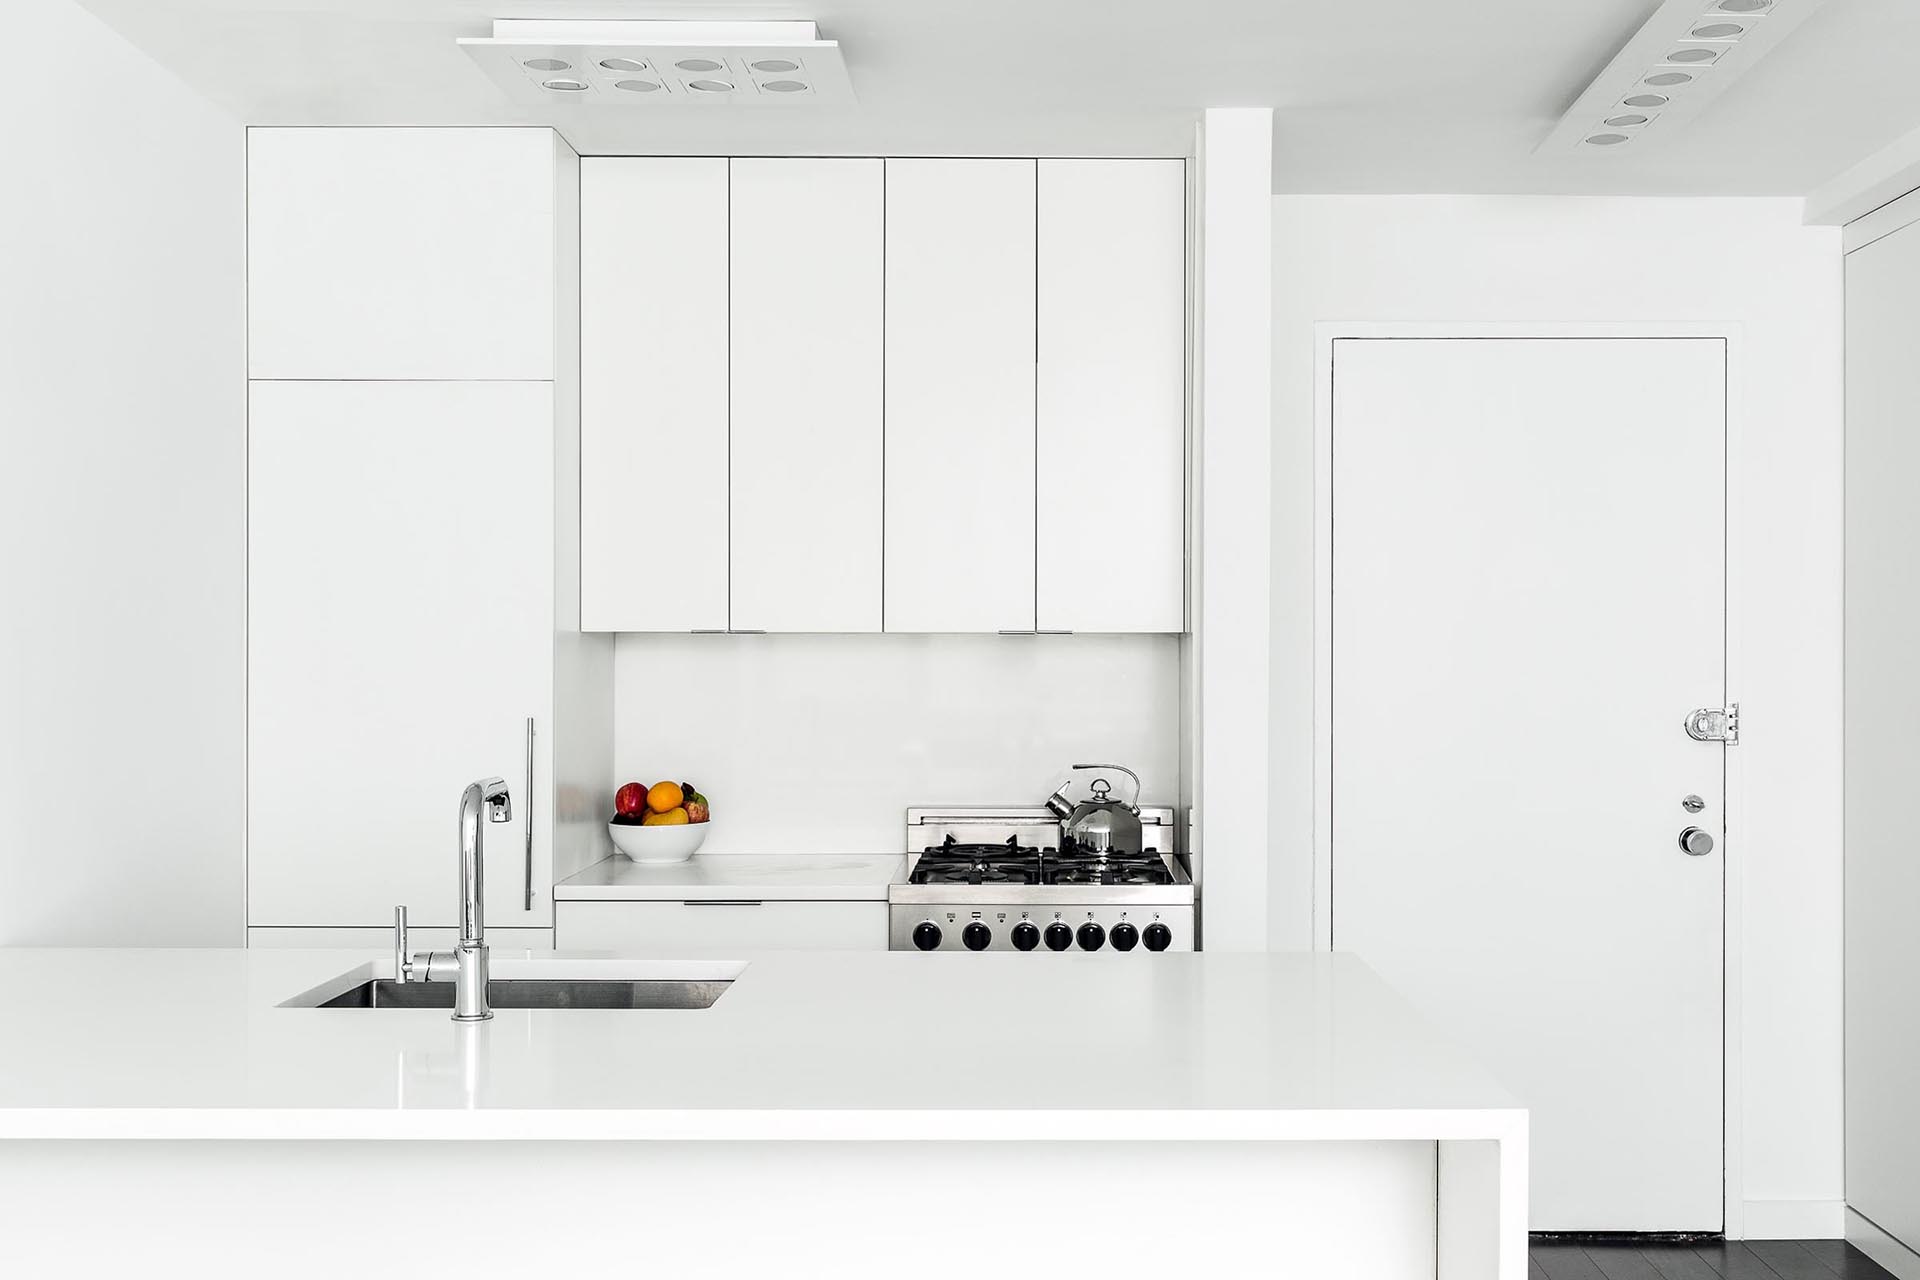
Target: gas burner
<point>1121,870</point>
<point>952,862</point>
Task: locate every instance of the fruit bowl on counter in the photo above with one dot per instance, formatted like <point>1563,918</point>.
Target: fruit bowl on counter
<point>664,823</point>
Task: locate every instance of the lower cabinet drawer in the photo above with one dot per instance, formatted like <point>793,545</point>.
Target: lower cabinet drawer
<point>419,938</point>
<point>766,926</point>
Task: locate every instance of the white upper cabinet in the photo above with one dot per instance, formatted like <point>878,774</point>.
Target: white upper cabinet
<point>653,383</point>
<point>853,395</point>
<point>401,253</point>
<point>1111,413</point>
<point>960,395</point>
<point>807,370</point>
<point>400,632</point>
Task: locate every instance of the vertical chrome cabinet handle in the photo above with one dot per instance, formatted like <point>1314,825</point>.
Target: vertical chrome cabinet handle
<point>527,806</point>
<point>399,944</point>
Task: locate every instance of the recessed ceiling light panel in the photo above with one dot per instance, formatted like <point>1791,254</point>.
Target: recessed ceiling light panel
<point>656,64</point>
<point>1682,58</point>
<point>1694,55</point>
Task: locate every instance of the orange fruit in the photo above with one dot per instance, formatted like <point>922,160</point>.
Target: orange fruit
<point>675,817</point>
<point>664,796</point>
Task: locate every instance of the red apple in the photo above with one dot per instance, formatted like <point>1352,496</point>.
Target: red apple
<point>631,798</point>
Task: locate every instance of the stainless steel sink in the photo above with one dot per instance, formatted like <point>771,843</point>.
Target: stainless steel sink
<point>538,993</point>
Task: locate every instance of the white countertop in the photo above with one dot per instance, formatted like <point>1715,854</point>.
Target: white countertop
<point>787,878</point>
<point>858,1045</point>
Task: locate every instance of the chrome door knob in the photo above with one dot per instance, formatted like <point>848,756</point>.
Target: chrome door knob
<point>1696,843</point>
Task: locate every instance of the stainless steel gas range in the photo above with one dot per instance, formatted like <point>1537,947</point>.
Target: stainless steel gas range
<point>997,880</point>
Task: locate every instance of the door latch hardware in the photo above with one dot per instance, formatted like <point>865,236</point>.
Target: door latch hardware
<point>1695,843</point>
<point>1715,724</point>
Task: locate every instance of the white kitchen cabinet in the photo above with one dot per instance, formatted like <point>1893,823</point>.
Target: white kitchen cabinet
<point>1111,396</point>
<point>960,395</point>
<point>401,627</point>
<point>401,253</point>
<point>748,924</point>
<point>807,369</point>
<point>381,940</point>
<point>653,372</point>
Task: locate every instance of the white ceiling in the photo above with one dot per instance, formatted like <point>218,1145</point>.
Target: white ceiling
<point>1369,95</point>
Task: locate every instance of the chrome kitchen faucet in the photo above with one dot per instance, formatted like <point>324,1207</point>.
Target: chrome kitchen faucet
<point>466,964</point>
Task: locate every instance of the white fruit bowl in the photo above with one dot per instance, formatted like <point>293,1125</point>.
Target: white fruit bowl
<point>653,845</point>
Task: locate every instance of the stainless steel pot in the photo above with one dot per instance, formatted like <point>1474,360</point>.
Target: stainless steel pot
<point>1100,824</point>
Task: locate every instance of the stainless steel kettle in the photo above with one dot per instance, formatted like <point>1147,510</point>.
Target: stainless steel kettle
<point>1099,825</point>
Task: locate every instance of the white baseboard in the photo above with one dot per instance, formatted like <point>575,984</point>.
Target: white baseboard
<point>1795,1219</point>
<point>1869,1239</point>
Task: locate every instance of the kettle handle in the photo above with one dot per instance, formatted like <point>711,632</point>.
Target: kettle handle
<point>1120,768</point>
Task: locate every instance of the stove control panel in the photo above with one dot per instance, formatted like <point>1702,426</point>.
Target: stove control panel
<point>1104,929</point>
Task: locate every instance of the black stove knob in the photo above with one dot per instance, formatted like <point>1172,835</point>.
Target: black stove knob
<point>1091,936</point>
<point>926,935</point>
<point>1059,937</point>
<point>1026,936</point>
<point>1158,937</point>
<point>1124,937</point>
<point>976,936</point>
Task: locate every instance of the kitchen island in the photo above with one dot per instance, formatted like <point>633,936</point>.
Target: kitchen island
<point>847,1113</point>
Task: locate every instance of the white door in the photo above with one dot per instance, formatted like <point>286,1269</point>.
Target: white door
<point>399,635</point>
<point>653,394</point>
<point>1528,599</point>
<point>1111,428</point>
<point>806,377</point>
<point>959,395</point>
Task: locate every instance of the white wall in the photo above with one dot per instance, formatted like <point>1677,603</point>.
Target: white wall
<point>1883,746</point>
<point>122,496</point>
<point>1748,262</point>
<point>820,743</point>
<point>1230,458</point>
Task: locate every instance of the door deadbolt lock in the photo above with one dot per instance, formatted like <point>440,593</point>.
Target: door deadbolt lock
<point>1696,843</point>
<point>1693,804</point>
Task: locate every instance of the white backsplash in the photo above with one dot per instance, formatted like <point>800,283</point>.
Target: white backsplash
<point>819,743</point>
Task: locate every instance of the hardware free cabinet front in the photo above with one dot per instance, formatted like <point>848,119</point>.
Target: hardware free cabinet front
<point>654,471</point>
<point>400,631</point>
<point>920,395</point>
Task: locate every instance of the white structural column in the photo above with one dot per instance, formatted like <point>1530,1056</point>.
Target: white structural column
<point>1232,557</point>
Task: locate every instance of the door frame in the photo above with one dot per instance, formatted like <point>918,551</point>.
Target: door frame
<point>1326,334</point>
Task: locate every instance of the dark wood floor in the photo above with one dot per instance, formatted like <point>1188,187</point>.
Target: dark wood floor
<point>1731,1260</point>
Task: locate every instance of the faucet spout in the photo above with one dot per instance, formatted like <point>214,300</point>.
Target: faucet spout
<point>470,953</point>
<point>490,795</point>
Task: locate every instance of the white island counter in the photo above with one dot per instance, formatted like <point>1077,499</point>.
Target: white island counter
<point>1134,1111</point>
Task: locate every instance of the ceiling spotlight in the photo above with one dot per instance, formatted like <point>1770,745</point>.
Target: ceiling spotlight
<point>1683,56</point>
<point>640,64</point>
